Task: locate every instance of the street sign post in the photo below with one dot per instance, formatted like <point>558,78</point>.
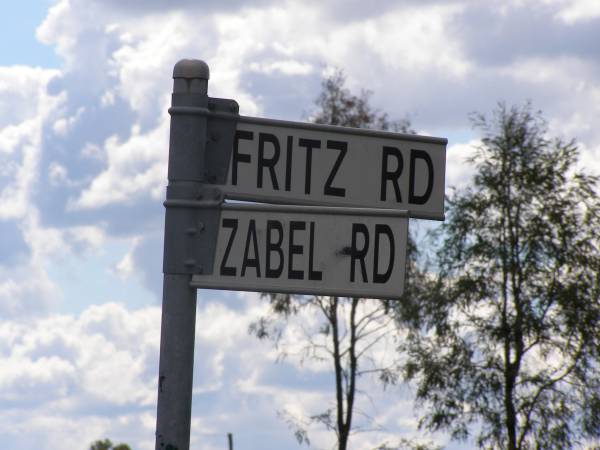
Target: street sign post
<point>278,161</point>
<point>346,252</point>
<point>362,185</point>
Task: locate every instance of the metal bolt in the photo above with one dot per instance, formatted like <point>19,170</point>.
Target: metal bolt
<point>200,226</point>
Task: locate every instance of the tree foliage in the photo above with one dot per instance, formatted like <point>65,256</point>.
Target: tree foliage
<point>508,344</point>
<point>336,105</point>
<point>348,329</point>
<point>106,444</point>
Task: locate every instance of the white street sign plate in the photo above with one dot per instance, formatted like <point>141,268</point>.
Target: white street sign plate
<point>276,161</point>
<point>349,252</point>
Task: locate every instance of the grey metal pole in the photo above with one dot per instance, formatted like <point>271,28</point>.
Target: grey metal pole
<point>186,174</point>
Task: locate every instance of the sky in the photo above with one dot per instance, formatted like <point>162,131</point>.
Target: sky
<point>84,91</point>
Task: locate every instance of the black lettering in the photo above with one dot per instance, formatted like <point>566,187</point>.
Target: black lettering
<point>342,147</point>
<point>295,250</point>
<point>357,254</point>
<point>264,162</point>
<point>288,164</point>
<point>312,274</point>
<point>225,270</point>
<point>377,276</point>
<point>309,144</point>
<point>274,247</point>
<point>412,197</point>
<point>394,175</point>
<point>237,156</point>
<point>251,262</point>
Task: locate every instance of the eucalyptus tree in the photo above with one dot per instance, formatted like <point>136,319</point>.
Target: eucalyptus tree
<point>508,346</point>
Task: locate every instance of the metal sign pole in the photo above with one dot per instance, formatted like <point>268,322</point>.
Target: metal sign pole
<point>363,251</point>
<point>186,173</point>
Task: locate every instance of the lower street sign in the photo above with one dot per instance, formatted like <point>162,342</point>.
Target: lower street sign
<point>350,252</point>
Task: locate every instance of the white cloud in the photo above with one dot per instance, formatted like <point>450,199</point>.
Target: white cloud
<point>418,38</point>
<point>64,124</point>
<point>24,380</point>
<point>57,173</point>
<point>107,99</point>
<point>142,61</point>
<point>26,288</point>
<point>589,160</point>
<point>106,355</point>
<point>569,72</point>
<point>26,291</point>
<point>67,21</point>
<point>93,151</point>
<point>458,170</point>
<point>23,94</point>
<point>24,105</point>
<point>125,267</point>
<point>286,67</point>
<point>135,168</point>
<point>573,11</point>
<point>575,94</point>
<point>88,236</point>
<point>49,244</point>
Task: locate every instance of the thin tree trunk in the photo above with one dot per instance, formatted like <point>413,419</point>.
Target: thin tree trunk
<point>510,421</point>
<point>339,387</point>
<point>351,389</point>
<point>509,407</point>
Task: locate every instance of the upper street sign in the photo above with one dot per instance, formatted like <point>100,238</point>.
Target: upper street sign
<point>275,161</point>
<point>309,250</point>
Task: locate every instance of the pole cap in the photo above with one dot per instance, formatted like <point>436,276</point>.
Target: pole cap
<point>191,68</point>
<point>190,77</point>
